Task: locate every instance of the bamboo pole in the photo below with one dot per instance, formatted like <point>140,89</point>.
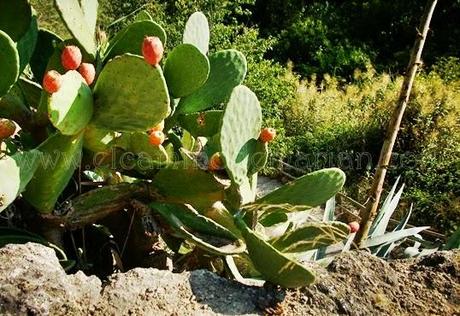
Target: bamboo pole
<point>368,214</point>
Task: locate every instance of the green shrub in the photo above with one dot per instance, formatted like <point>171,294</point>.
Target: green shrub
<point>344,126</point>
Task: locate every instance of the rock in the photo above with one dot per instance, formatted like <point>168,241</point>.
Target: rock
<point>355,283</point>
<point>32,282</point>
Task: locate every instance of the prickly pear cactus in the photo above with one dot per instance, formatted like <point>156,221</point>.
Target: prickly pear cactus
<point>186,69</point>
<point>184,137</point>
<point>76,19</point>
<point>228,70</point>
<point>71,108</point>
<point>9,65</point>
<point>310,190</point>
<point>129,40</point>
<point>141,99</point>
<point>241,124</point>
<point>16,171</point>
<point>61,155</point>
<point>197,32</point>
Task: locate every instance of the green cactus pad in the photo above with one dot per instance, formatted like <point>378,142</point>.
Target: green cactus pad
<point>16,172</point>
<point>73,17</point>
<point>241,125</point>
<point>311,236</point>
<point>31,91</point>
<point>26,45</point>
<point>27,162</point>
<point>198,229</point>
<point>258,157</point>
<point>149,157</point>
<point>274,266</point>
<point>130,39</point>
<point>228,69</point>
<point>96,139</point>
<point>11,181</point>
<point>89,9</point>
<point>9,65</point>
<point>46,43</point>
<point>60,157</point>
<point>203,123</point>
<point>186,70</point>
<point>178,184</point>
<point>141,99</point>
<point>143,15</point>
<point>197,32</point>
<point>15,18</point>
<point>96,204</point>
<point>310,190</point>
<point>71,108</point>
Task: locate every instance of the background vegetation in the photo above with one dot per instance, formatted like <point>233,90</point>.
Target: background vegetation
<point>327,74</point>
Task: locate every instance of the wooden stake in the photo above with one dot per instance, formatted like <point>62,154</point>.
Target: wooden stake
<point>368,214</point>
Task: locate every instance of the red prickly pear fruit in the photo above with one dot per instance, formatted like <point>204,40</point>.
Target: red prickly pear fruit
<point>215,163</point>
<point>152,50</point>
<point>267,134</point>
<point>354,226</point>
<point>157,138</point>
<point>71,57</point>
<point>159,127</point>
<point>7,128</point>
<point>88,72</point>
<point>52,81</point>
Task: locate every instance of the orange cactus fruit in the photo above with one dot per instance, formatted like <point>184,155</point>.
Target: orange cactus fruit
<point>215,163</point>
<point>156,138</point>
<point>152,50</point>
<point>267,134</point>
<point>52,81</point>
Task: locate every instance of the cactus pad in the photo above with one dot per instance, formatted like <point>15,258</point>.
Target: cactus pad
<point>130,39</point>
<point>89,9</point>
<point>203,123</point>
<point>197,32</point>
<point>274,266</point>
<point>73,17</point>
<point>311,236</point>
<point>96,139</point>
<point>186,190</point>
<point>199,230</point>
<point>241,125</point>
<point>71,108</point>
<point>15,18</point>
<point>130,95</point>
<point>148,157</point>
<point>11,181</point>
<point>186,70</point>
<point>9,65</point>
<point>60,157</point>
<point>228,69</point>
<point>143,15</point>
<point>26,45</point>
<point>44,49</point>
<point>310,190</point>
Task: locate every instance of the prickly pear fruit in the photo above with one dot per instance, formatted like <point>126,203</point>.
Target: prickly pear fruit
<point>215,163</point>
<point>71,57</point>
<point>158,127</point>
<point>52,81</point>
<point>267,134</point>
<point>157,138</point>
<point>152,50</point>
<point>354,226</point>
<point>88,72</point>
<point>7,128</point>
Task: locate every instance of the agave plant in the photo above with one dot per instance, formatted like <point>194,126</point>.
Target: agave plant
<point>382,242</point>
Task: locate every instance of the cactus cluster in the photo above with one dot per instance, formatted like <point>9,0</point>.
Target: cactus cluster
<point>181,134</point>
